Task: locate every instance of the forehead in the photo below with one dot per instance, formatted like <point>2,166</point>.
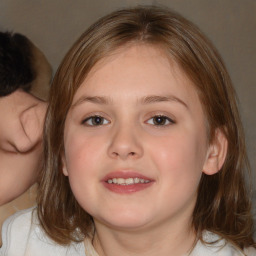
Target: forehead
<point>136,69</point>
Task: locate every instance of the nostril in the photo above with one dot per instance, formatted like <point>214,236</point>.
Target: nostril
<point>115,154</point>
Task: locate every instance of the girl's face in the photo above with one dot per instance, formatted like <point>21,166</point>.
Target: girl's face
<point>135,141</point>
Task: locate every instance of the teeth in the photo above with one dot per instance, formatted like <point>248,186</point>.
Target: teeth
<point>120,181</point>
<point>129,181</point>
<point>136,180</point>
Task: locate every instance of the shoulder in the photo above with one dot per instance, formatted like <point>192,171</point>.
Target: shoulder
<point>250,251</point>
<point>214,245</point>
<point>16,229</point>
<point>22,235</point>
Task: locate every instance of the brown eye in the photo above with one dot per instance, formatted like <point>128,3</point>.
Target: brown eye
<point>95,121</point>
<point>160,120</point>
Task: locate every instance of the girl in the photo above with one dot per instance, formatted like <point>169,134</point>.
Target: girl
<point>144,147</point>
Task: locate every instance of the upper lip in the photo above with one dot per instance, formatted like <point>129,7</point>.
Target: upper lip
<point>125,174</point>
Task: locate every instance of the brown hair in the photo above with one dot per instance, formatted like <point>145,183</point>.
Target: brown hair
<point>223,204</point>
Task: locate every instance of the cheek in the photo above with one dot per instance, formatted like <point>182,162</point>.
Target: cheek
<point>82,154</point>
<point>18,173</point>
<point>83,161</point>
<point>181,154</point>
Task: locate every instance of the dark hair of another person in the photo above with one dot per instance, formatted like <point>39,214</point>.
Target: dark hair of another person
<point>16,69</point>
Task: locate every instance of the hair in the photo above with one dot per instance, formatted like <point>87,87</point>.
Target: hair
<point>23,66</point>
<point>223,204</point>
<point>16,69</point>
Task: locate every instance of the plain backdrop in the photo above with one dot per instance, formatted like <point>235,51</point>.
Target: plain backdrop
<point>53,25</point>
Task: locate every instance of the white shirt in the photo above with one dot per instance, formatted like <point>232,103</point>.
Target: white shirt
<point>23,236</point>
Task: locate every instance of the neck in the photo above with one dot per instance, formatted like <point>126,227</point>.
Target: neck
<point>166,239</point>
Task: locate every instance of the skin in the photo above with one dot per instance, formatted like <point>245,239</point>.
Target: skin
<point>21,123</point>
<point>21,119</point>
<point>173,155</point>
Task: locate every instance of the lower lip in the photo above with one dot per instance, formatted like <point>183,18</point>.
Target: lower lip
<point>126,189</point>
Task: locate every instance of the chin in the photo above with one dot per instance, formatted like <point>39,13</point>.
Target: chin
<point>5,199</point>
<point>124,221</point>
<point>6,196</point>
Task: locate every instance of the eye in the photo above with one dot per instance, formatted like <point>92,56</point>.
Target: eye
<point>95,121</point>
<point>160,120</point>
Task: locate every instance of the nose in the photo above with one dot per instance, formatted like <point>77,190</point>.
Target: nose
<point>125,144</point>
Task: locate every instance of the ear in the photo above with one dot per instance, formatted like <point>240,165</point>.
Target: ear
<point>216,153</point>
<point>32,122</point>
<point>64,166</point>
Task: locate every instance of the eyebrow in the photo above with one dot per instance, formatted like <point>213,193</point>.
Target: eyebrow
<point>93,99</point>
<point>156,99</point>
<point>145,100</point>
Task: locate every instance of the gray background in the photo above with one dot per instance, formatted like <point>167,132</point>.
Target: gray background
<point>53,25</point>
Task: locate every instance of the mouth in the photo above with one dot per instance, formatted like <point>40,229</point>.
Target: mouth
<point>124,182</point>
<point>129,181</point>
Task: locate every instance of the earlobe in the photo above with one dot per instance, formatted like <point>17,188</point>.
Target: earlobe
<point>64,166</point>
<point>216,153</point>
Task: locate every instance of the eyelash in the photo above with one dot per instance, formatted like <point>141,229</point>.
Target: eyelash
<point>89,121</point>
<point>92,120</point>
<point>164,119</point>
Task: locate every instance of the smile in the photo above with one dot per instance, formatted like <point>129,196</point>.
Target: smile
<point>128,181</point>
